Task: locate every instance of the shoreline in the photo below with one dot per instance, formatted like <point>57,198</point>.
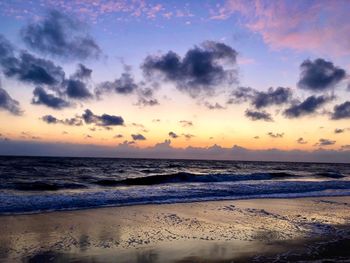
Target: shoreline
<point>234,229</point>
<point>204,200</point>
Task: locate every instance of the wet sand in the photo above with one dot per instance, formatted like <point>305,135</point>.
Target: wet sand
<point>262,230</point>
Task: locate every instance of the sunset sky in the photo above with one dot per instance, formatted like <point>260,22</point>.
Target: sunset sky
<point>233,79</point>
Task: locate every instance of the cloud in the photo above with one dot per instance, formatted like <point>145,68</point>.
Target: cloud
<point>37,71</point>
<point>82,72</point>
<point>6,48</point>
<point>127,85</point>
<point>298,25</point>
<point>308,106</point>
<point>146,97</point>
<point>261,99</point>
<point>41,97</point>
<point>301,141</point>
<point>138,125</point>
<point>203,68</point>
<point>325,142</point>
<point>30,69</point>
<point>275,135</point>
<point>345,147</point>
<point>215,106</point>
<point>188,136</point>
<point>173,135</point>
<point>124,85</point>
<point>276,96</point>
<point>118,136</point>
<point>319,75</point>
<point>77,89</point>
<point>258,115</point>
<point>242,94</point>
<point>341,111</point>
<point>27,68</point>
<point>9,104</point>
<point>147,102</point>
<point>76,121</point>
<point>165,150</point>
<point>138,137</point>
<point>104,120</point>
<point>62,36</point>
<point>337,130</point>
<point>50,119</point>
<point>185,123</point>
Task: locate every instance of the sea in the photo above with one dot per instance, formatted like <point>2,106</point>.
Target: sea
<point>43,184</point>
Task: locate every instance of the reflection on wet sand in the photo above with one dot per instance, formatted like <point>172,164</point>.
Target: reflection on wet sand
<point>223,231</point>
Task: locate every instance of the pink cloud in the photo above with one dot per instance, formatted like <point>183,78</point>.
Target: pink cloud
<point>91,9</point>
<point>317,26</point>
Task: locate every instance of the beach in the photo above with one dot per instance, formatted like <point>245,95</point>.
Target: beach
<point>260,230</point>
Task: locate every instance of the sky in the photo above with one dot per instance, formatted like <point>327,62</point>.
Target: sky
<point>230,79</point>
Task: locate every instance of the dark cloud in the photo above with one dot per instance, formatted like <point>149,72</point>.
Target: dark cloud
<point>138,137</point>
<point>138,125</point>
<point>50,119</point>
<point>319,75</point>
<point>146,97</point>
<point>41,97</point>
<point>104,120</point>
<point>308,106</point>
<point>127,85</point>
<point>82,72</point>
<point>185,123</point>
<point>6,49</point>
<point>325,142</point>
<point>123,85</point>
<point>201,70</point>
<point>165,150</point>
<point>275,135</point>
<point>28,68</point>
<point>118,136</point>
<point>147,102</point>
<point>258,115</point>
<point>301,141</point>
<point>215,106</point>
<point>242,94</point>
<point>261,99</point>
<point>271,97</point>
<point>76,121</point>
<point>341,111</point>
<point>256,137</point>
<point>339,130</point>
<point>173,135</point>
<point>9,104</point>
<point>188,136</point>
<point>60,35</point>
<point>345,147</point>
<point>77,89</point>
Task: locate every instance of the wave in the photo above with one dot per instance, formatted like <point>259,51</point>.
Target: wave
<point>45,186</point>
<point>11,203</point>
<point>184,177</point>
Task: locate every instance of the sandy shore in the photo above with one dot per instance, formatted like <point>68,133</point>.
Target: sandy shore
<point>224,231</point>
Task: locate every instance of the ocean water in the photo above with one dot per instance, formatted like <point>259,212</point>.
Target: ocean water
<point>37,184</point>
